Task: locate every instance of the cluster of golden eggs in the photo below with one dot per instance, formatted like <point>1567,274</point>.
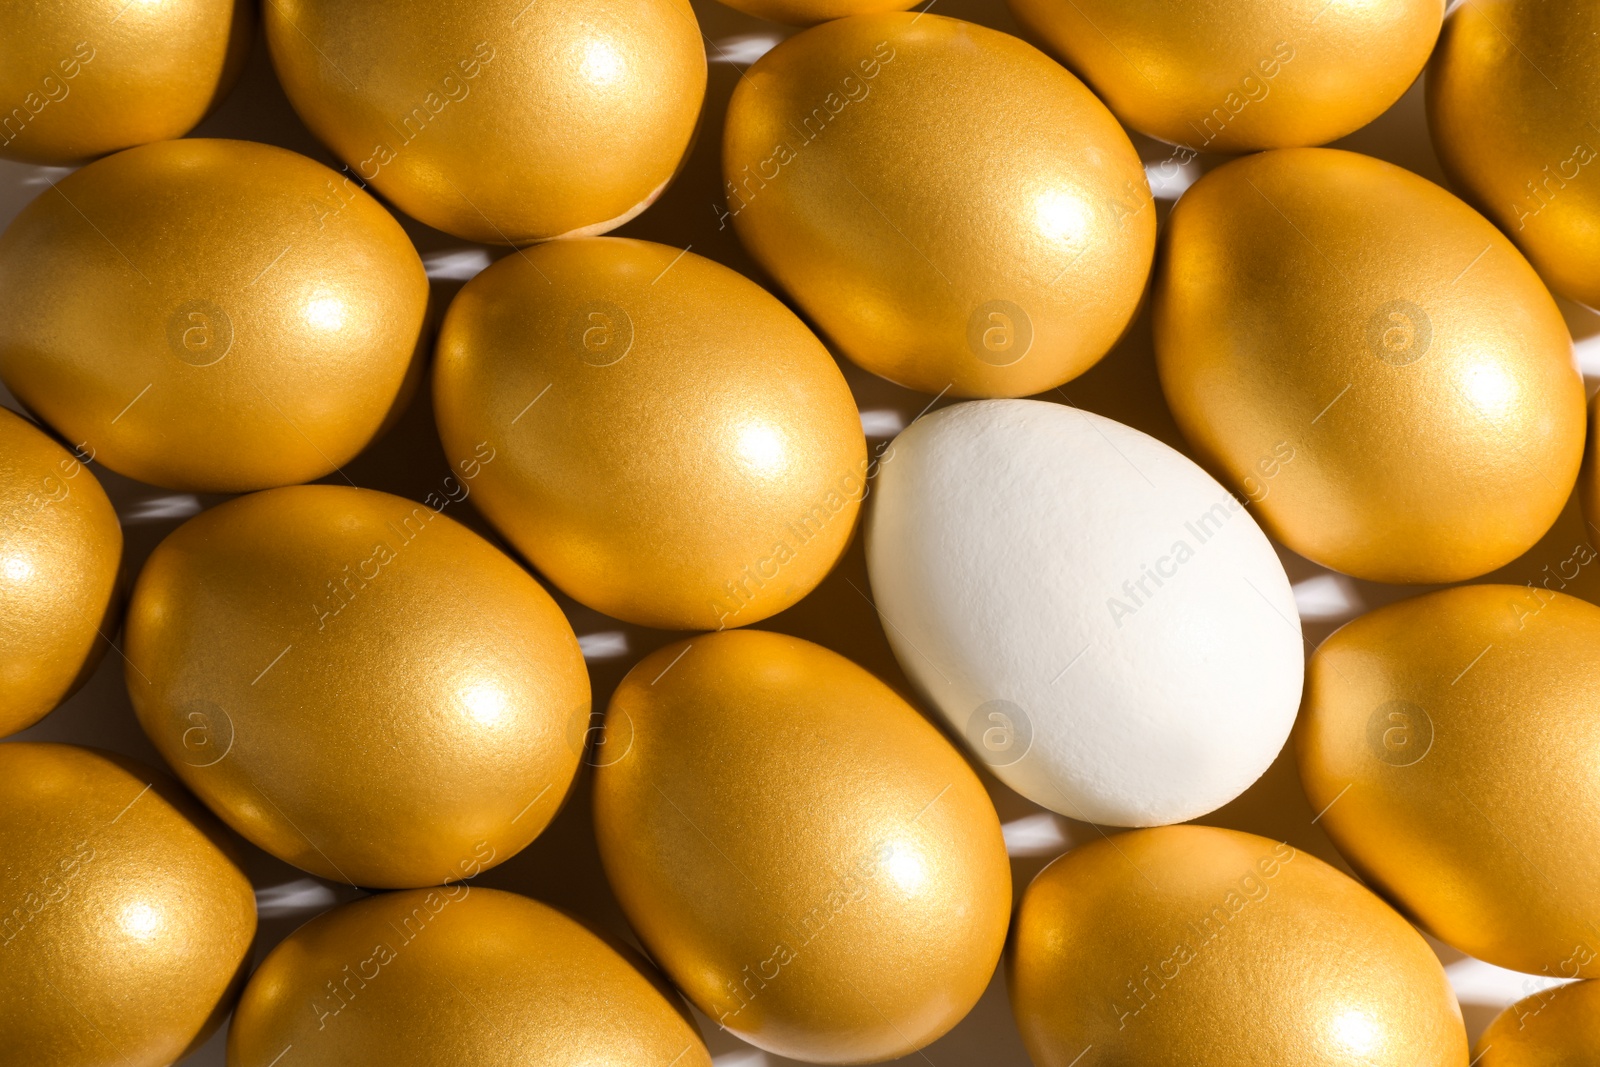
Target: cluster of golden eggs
<point>1366,368</point>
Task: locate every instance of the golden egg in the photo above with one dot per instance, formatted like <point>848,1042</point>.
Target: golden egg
<point>357,683</point>
<point>1450,742</point>
<point>125,921</point>
<point>212,316</point>
<point>80,78</point>
<point>1202,947</point>
<point>953,209</point>
<point>501,121</point>
<point>1557,1027</point>
<point>439,977</point>
<point>1241,76</point>
<point>60,551</point>
<point>678,450</point>
<point>809,12</point>
<point>1370,362</point>
<point>806,857</point>
<point>1513,91</point>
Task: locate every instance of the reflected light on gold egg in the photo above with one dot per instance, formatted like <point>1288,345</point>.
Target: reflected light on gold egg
<point>500,121</point>
<point>61,548</point>
<point>1450,741</point>
<point>1512,92</point>
<point>1206,947</point>
<point>125,920</point>
<point>807,858</point>
<point>955,211</point>
<point>1240,75</point>
<point>358,684</point>
<point>676,449</point>
<point>81,78</point>
<point>1370,362</point>
<point>211,315</point>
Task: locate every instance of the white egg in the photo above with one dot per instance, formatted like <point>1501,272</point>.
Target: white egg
<point>1104,624</point>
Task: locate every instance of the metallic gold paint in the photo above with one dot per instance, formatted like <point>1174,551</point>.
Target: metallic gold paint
<point>81,78</point>
<point>1231,76</point>
<point>810,12</point>
<point>678,450</point>
<point>1337,309</point>
<point>357,683</point>
<point>808,859</point>
<point>1513,90</point>
<point>210,315</point>
<point>60,552</point>
<point>949,206</point>
<point>1554,1028</point>
<point>500,121</point>
<point>1203,947</point>
<point>456,975</point>
<point>1461,728</point>
<point>125,930</point>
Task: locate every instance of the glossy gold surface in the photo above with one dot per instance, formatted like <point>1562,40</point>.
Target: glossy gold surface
<point>60,550</point>
<point>210,315</point>
<point>124,928</point>
<point>809,12</point>
<point>1240,75</point>
<point>677,449</point>
<point>456,975</point>
<point>1192,946</point>
<point>1455,736</point>
<point>948,205</point>
<point>807,858</point>
<point>501,121</point>
<point>357,683</point>
<point>80,78</point>
<point>1394,342</point>
<point>1553,1028</point>
<point>1513,93</point>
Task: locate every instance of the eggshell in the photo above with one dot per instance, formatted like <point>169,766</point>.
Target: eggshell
<point>357,683</point>
<point>807,858</point>
<point>60,551</point>
<point>1100,620</point>
<point>1558,1027</point>
<point>211,315</point>
<point>1513,90</point>
<point>1192,946</point>
<point>451,976</point>
<point>1389,337</point>
<point>125,920</point>
<point>1240,75</point>
<point>951,208</point>
<point>1451,742</point>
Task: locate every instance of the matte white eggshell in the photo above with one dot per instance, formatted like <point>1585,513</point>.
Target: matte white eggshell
<point>1102,621</point>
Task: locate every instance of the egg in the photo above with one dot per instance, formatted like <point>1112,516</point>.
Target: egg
<point>1557,1027</point>
<point>678,449</point>
<point>1511,91</point>
<point>1450,743</point>
<point>955,211</point>
<point>1337,307</point>
<point>1210,948</point>
<point>501,121</point>
<point>125,921</point>
<point>809,12</point>
<point>357,683</point>
<point>60,551</point>
<point>805,856</point>
<point>1100,621</point>
<point>81,78</point>
<point>210,315</point>
<point>1243,76</point>
<point>431,977</point>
